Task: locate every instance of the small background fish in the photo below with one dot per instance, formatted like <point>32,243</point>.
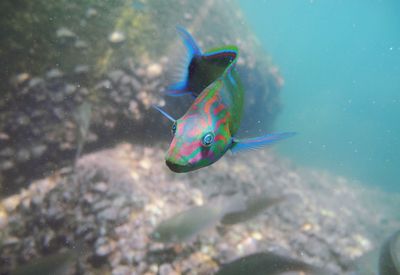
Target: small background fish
<point>82,117</point>
<point>268,263</point>
<point>253,207</point>
<point>187,224</point>
<point>56,264</point>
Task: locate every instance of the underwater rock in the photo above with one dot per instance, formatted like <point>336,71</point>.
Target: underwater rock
<point>47,84</point>
<point>103,204</point>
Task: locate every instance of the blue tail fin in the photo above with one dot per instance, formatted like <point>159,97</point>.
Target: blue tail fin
<point>258,142</point>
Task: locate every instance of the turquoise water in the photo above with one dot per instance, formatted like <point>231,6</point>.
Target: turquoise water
<point>341,64</point>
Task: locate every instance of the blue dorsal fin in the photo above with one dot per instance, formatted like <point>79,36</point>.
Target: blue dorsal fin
<point>164,113</point>
<point>258,142</point>
<point>189,41</point>
<point>180,88</point>
<point>227,54</point>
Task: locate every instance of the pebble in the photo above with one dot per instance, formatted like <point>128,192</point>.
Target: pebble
<point>65,33</point>
<point>38,150</point>
<point>79,44</point>
<point>7,165</point>
<point>166,269</point>
<point>105,84</point>
<point>100,187</point>
<point>135,84</point>
<point>104,249</point>
<point>53,74</point>
<point>153,268</point>
<point>20,79</point>
<point>91,12</point>
<point>187,16</point>
<point>35,81</point>
<point>23,155</point>
<point>116,37</point>
<point>122,270</point>
<point>81,69</point>
<point>125,79</point>
<point>3,219</point>
<point>154,70</point>
<point>6,152</point>
<point>145,99</point>
<point>10,241</point>
<point>109,214</point>
<point>100,205</point>
<point>134,109</point>
<point>10,203</point>
<point>4,136</point>
<point>115,76</point>
<point>145,164</point>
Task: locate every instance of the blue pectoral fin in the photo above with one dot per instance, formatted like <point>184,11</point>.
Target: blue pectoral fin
<point>164,113</point>
<point>258,142</point>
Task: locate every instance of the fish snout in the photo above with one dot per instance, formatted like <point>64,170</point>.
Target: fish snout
<point>178,168</point>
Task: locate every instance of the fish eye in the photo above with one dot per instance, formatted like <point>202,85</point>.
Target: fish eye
<point>173,128</point>
<point>208,139</point>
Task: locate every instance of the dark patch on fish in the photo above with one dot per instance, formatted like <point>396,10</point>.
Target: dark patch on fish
<point>389,261</point>
<point>267,263</point>
<point>56,264</point>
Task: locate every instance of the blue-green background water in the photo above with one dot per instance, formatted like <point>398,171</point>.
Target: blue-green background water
<point>341,64</point>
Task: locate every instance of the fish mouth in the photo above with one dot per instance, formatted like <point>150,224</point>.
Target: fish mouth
<point>178,168</point>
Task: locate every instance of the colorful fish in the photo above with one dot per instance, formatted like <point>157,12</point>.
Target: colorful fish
<point>207,130</point>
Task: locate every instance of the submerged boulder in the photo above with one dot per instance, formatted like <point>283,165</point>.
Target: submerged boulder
<point>118,56</point>
<point>112,201</point>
